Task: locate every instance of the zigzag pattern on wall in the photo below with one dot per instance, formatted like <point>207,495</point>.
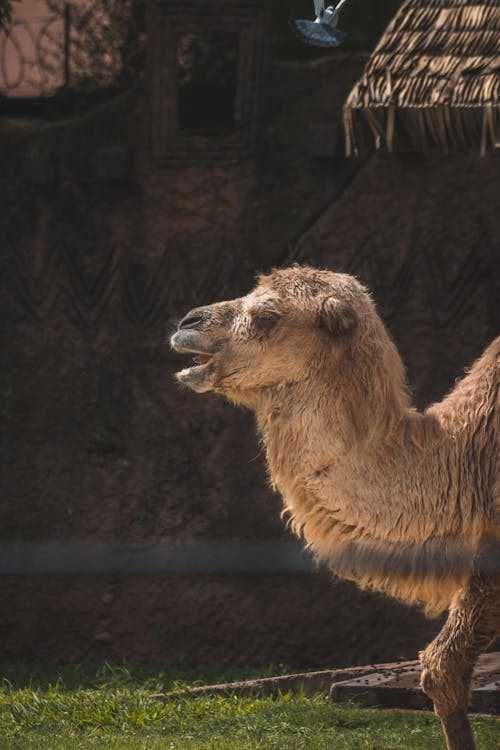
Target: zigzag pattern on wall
<point>451,294</point>
<point>450,297</point>
<point>150,294</point>
<point>147,295</point>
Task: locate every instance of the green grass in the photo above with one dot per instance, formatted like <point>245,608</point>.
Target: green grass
<point>72,708</point>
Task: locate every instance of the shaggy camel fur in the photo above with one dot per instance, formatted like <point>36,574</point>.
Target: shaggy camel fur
<point>397,500</point>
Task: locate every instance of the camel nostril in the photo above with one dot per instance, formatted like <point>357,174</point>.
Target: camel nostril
<point>191,321</point>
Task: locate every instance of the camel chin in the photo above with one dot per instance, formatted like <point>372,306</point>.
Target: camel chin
<point>199,378</point>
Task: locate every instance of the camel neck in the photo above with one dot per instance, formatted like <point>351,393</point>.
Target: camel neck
<point>304,427</point>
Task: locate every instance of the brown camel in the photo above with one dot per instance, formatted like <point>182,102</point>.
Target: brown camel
<point>397,500</point>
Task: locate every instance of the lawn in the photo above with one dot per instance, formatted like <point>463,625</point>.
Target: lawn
<point>108,708</point>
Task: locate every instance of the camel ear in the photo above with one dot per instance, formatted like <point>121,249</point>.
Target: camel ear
<point>336,316</point>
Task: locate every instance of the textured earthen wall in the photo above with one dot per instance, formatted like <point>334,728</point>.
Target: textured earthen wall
<point>98,443</point>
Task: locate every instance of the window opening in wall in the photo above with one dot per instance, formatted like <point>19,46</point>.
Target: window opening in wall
<point>207,75</point>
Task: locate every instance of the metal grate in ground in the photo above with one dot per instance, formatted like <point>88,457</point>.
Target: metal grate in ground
<point>397,686</point>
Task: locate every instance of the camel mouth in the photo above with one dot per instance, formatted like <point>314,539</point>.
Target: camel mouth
<point>201,360</point>
<point>198,376</point>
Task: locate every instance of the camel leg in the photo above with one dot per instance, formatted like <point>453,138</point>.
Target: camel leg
<point>472,624</point>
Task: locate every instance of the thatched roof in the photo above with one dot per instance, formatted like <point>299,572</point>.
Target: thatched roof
<point>434,78</point>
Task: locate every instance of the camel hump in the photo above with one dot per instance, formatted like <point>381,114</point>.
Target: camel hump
<point>475,398</point>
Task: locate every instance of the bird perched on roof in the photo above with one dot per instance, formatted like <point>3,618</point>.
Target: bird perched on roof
<point>322,32</point>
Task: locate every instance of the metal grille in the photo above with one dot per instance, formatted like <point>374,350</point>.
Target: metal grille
<point>34,54</point>
<point>85,44</point>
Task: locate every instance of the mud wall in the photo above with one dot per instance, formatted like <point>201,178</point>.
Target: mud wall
<point>102,249</point>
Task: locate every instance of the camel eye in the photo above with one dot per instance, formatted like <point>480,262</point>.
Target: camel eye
<point>264,320</point>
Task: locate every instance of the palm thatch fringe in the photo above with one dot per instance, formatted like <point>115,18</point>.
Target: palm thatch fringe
<point>434,78</point>
<point>423,128</point>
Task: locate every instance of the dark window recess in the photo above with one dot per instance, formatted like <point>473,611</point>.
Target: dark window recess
<point>207,74</point>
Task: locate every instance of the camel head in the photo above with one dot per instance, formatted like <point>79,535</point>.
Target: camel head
<point>296,323</point>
